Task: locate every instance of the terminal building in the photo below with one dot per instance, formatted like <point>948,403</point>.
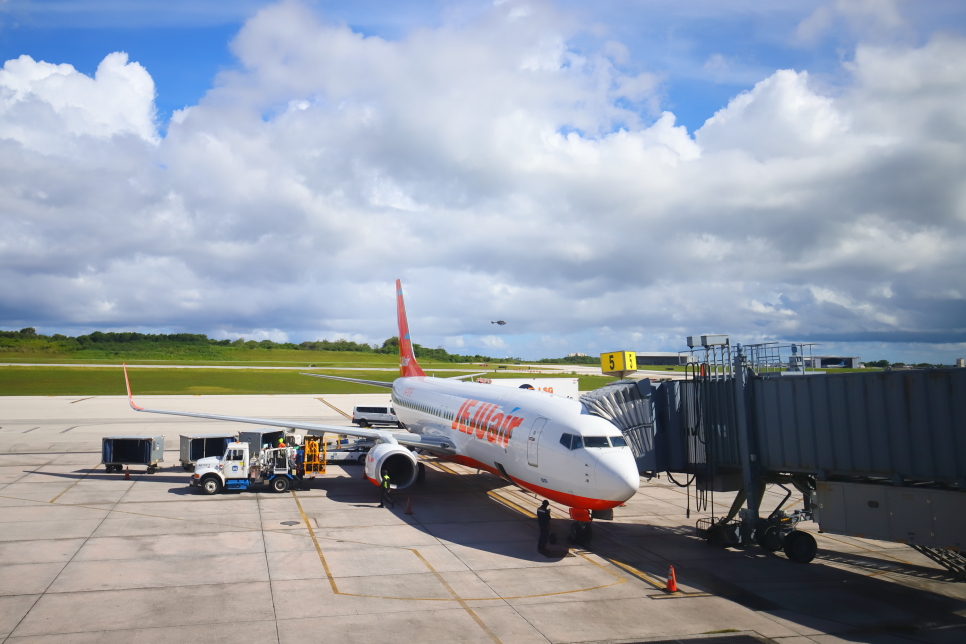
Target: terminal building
<point>833,362</point>
<point>664,358</point>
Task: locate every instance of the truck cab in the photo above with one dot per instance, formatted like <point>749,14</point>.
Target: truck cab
<point>237,470</point>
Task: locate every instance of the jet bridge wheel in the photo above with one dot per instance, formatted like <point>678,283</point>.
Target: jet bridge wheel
<point>800,546</point>
<point>769,538</point>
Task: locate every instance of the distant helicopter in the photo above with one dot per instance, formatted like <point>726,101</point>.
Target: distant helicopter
<point>500,322</point>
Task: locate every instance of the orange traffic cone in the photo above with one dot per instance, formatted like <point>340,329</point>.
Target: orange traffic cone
<point>127,473</point>
<point>672,581</point>
<point>409,506</point>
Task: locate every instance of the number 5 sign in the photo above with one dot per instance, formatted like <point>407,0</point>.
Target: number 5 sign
<point>618,363</point>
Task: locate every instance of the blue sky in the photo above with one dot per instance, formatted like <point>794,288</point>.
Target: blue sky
<point>185,44</point>
<point>768,222</point>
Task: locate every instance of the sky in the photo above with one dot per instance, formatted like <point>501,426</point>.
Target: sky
<point>601,176</point>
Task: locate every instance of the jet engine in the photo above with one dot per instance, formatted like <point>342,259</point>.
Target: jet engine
<point>397,461</point>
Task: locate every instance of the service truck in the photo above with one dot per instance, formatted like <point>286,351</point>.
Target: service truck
<point>236,470</point>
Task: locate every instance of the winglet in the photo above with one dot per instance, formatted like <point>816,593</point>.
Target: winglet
<point>130,398</point>
<point>407,359</point>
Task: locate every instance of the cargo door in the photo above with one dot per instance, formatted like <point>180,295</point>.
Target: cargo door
<point>533,441</point>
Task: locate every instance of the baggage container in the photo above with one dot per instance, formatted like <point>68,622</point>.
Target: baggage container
<point>118,451</point>
<point>260,437</point>
<point>200,446</point>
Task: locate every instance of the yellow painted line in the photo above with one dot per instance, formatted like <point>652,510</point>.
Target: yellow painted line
<point>461,602</point>
<point>680,595</point>
<point>72,485</point>
<point>77,401</point>
<point>510,504</point>
<point>446,469</point>
<point>318,549</point>
<point>855,545</point>
<point>335,588</point>
<point>640,574</point>
<point>327,403</point>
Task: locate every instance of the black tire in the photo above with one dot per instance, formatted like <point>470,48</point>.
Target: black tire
<point>152,469</point>
<point>210,485</point>
<point>800,546</point>
<point>188,467</point>
<point>420,472</point>
<point>575,532</point>
<point>769,538</point>
<point>362,460</point>
<point>281,484</point>
<point>363,423</point>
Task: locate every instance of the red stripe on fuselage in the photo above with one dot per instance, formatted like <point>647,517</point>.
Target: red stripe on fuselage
<point>570,500</point>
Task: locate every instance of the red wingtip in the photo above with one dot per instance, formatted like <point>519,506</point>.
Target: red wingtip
<point>407,358</point>
<point>130,397</point>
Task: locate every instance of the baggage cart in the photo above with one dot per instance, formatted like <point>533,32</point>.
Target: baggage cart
<point>118,451</point>
<point>197,446</point>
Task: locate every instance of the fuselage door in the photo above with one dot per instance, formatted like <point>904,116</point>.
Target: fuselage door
<point>533,441</point>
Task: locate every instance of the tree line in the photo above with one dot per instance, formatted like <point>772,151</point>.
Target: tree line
<point>126,341</point>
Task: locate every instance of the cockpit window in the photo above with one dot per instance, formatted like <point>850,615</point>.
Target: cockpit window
<point>618,441</point>
<point>570,441</point>
<point>596,441</point>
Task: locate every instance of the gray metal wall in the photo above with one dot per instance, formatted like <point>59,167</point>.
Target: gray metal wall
<point>907,423</point>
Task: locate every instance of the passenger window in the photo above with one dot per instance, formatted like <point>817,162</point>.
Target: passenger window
<point>596,441</point>
<point>618,441</point>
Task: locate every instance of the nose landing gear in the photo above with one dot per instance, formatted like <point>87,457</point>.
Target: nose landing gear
<point>581,533</point>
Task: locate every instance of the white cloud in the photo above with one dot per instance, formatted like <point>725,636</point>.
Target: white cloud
<point>44,106</point>
<point>503,175</point>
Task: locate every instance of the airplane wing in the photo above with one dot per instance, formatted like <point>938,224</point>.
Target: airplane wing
<point>427,443</point>
<point>374,383</point>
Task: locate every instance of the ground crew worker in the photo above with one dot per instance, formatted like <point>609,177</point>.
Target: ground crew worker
<point>543,520</point>
<point>386,499</point>
<point>281,443</point>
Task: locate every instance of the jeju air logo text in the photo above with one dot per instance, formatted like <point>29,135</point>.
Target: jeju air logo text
<point>486,421</point>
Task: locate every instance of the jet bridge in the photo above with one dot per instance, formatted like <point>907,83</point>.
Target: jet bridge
<point>879,454</point>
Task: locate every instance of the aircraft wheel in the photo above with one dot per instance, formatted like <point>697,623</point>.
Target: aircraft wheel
<point>769,538</point>
<point>211,485</point>
<point>800,546</point>
<point>280,484</point>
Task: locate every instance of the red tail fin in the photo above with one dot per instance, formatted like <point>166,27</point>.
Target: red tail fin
<point>407,359</point>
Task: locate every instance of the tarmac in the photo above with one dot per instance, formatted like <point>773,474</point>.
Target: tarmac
<point>87,556</point>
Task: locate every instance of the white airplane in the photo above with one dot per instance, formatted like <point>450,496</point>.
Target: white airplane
<point>545,443</point>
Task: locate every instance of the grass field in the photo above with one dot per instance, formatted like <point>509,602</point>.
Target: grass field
<point>100,381</point>
<point>223,356</point>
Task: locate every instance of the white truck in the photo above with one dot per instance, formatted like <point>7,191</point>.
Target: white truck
<point>236,470</point>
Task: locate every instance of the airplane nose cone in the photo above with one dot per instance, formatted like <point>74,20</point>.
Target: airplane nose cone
<point>617,476</point>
